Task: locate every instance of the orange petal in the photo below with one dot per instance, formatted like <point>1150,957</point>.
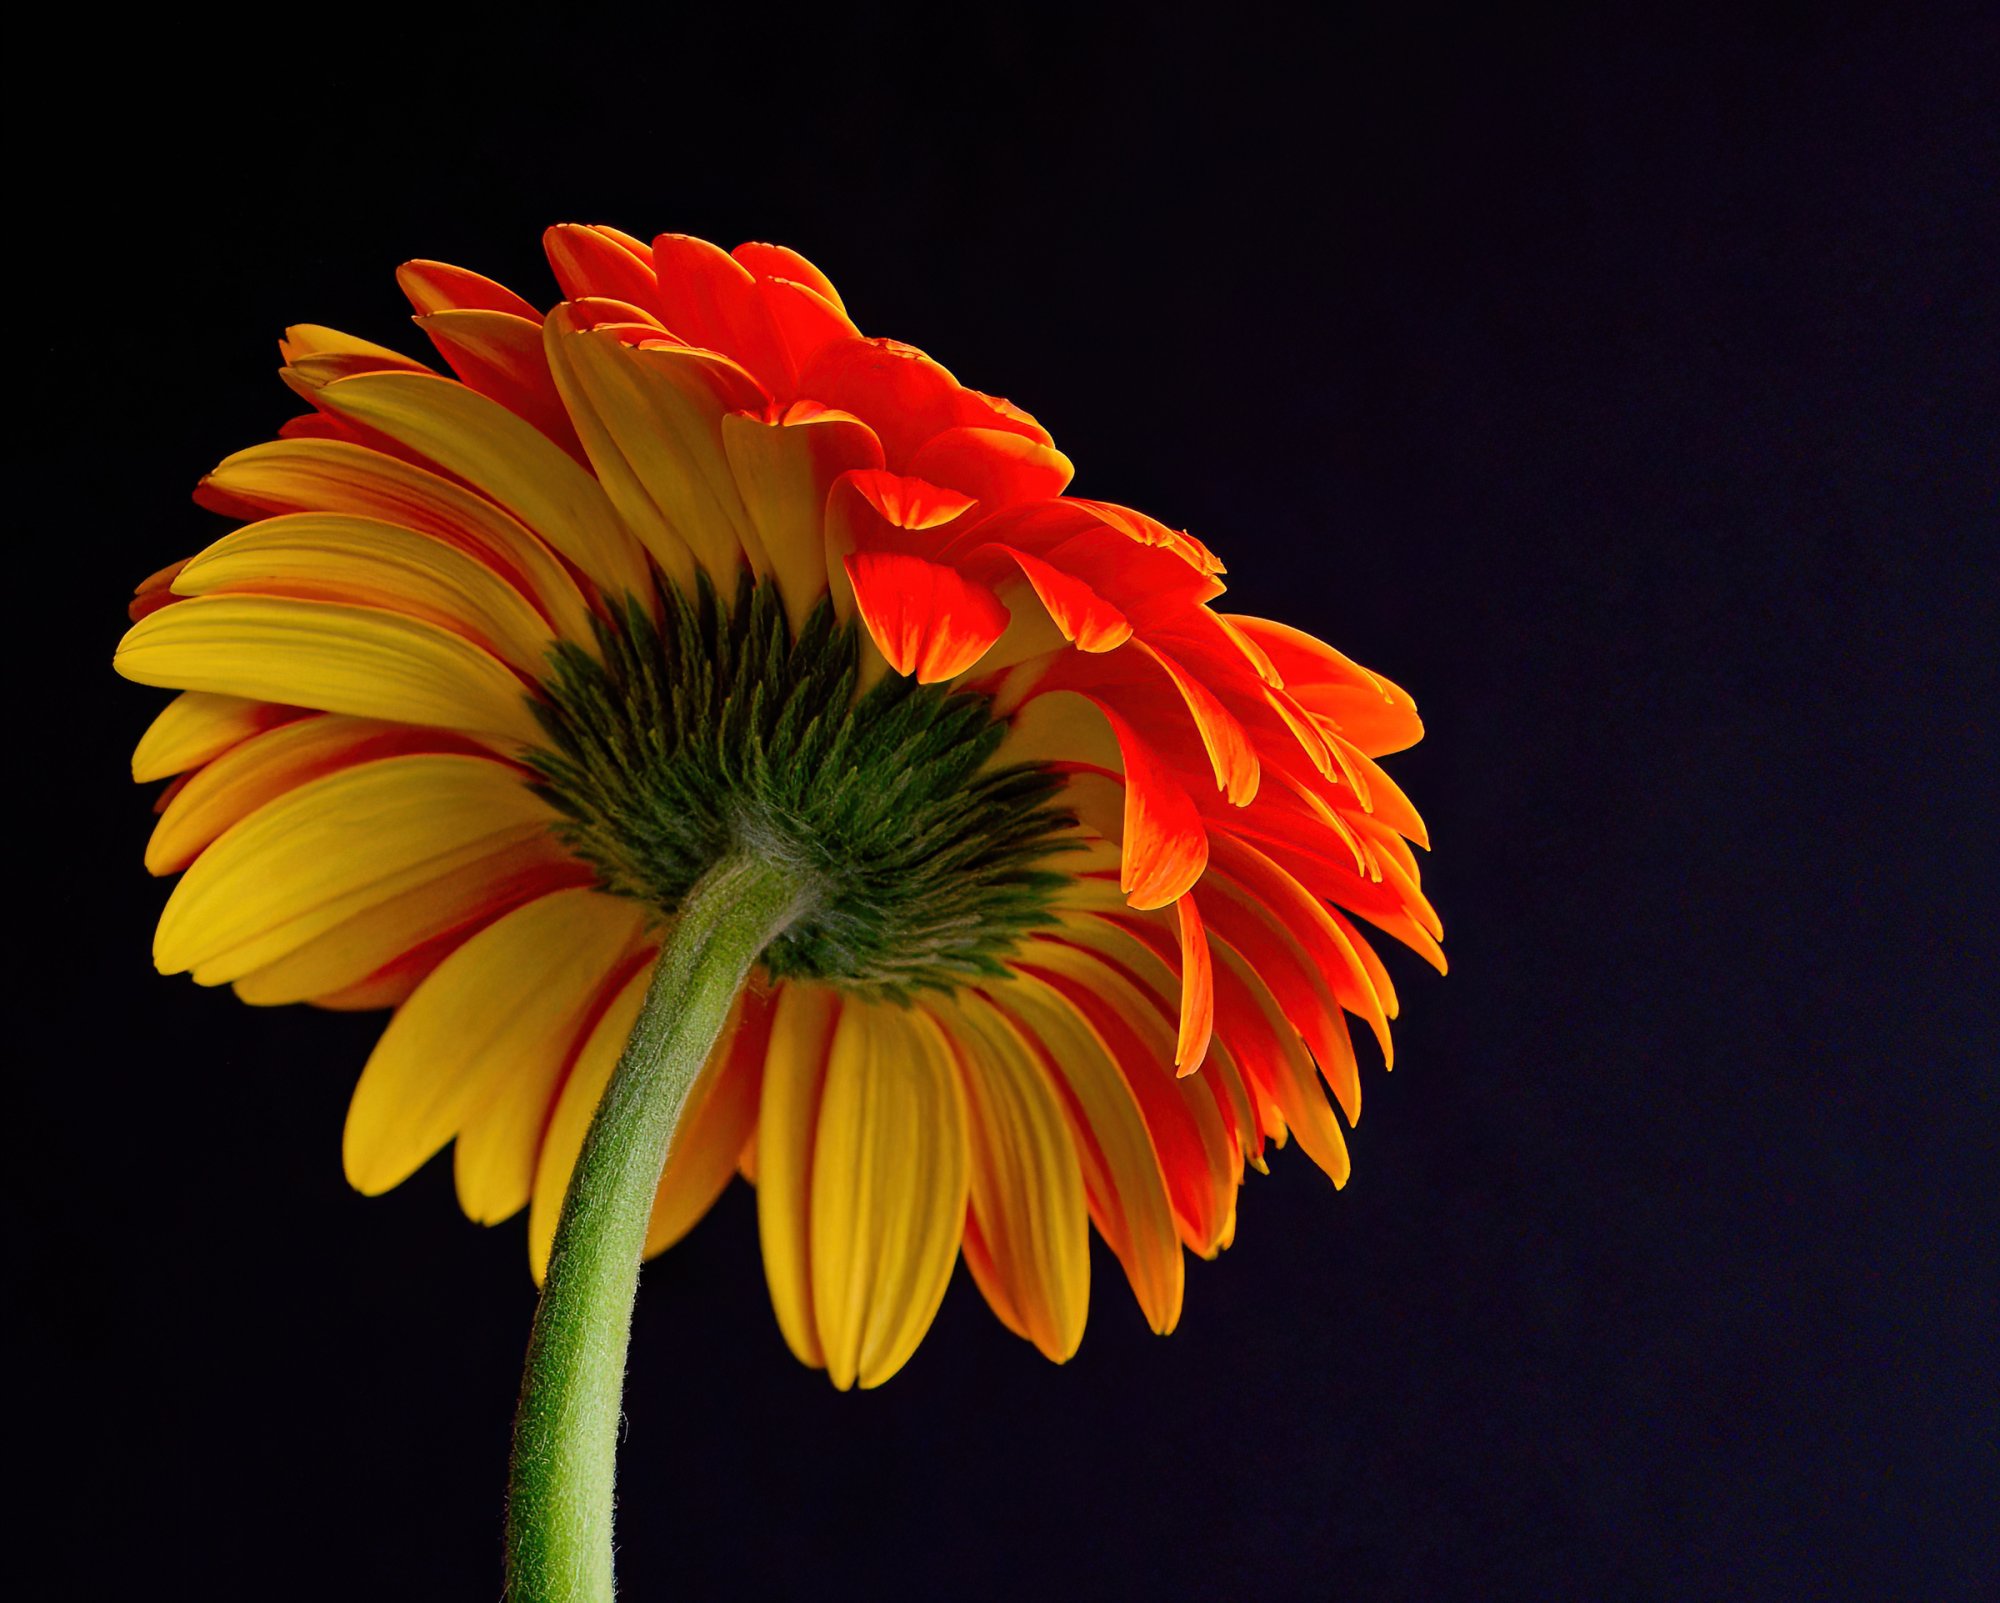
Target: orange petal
<point>894,388</point>
<point>1392,902</point>
<point>500,355</point>
<point>1301,989</point>
<point>902,501</point>
<point>338,476</point>
<point>1381,795</point>
<point>1085,618</point>
<point>1270,1051</point>
<point>805,323</point>
<point>1227,743</point>
<point>1232,665</point>
<point>592,261</point>
<point>440,287</point>
<point>1165,843</point>
<point>1122,1180</point>
<point>1197,977</point>
<point>317,426</point>
<point>1147,531</point>
<point>777,261</point>
<point>993,466</point>
<point>874,510</point>
<point>1140,951</point>
<point>1001,413</point>
<point>632,324</point>
<point>928,619</point>
<point>1151,584</point>
<point>1193,1150</point>
<point>1306,917</point>
<point>1377,715</point>
<point>708,298</point>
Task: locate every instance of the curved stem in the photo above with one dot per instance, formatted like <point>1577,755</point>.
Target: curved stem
<point>566,1432</point>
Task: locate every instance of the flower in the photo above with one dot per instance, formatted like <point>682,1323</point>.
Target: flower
<point>499,662</point>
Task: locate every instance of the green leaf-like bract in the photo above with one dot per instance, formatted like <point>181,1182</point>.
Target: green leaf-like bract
<point>719,732</point>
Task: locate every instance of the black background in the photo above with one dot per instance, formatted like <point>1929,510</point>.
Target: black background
<point>1624,387</point>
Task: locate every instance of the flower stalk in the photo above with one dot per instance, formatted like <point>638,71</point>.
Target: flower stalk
<point>560,1494</point>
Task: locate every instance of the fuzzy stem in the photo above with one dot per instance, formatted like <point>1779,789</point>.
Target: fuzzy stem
<point>566,1431</point>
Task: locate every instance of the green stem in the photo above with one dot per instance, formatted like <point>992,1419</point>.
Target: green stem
<point>566,1432</point>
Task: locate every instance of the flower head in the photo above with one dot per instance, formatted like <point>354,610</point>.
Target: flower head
<point>503,660</point>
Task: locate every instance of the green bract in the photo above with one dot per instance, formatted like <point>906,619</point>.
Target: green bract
<point>719,734</point>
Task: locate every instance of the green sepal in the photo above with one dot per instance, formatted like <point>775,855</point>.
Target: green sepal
<point>715,733</point>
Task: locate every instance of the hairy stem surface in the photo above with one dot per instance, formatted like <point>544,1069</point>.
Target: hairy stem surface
<point>559,1502</point>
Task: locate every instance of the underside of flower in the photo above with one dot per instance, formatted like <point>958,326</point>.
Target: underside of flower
<point>507,654</point>
<point>717,732</point>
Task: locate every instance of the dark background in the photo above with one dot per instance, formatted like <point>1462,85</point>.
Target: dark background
<point>1624,387</point>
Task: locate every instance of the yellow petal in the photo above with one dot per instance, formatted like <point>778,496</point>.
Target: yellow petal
<point>260,769</point>
<point>1121,1171</point>
<point>652,419</point>
<point>1158,997</point>
<point>500,355</point>
<point>563,948</point>
<point>784,471</point>
<point>303,342</point>
<point>331,556</point>
<point>405,925</point>
<point>564,343</point>
<point>332,848</point>
<point>493,1023</point>
<point>589,1074</point>
<point>1061,726</point>
<point>196,727</point>
<point>802,1028</point>
<point>484,444</point>
<point>1033,1260</point>
<point>338,658</point>
<point>1137,1019</point>
<point>721,1111</point>
<point>889,1183</point>
<point>719,1122</point>
<point>283,476</point>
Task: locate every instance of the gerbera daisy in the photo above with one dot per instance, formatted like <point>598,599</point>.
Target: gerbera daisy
<point>682,636</point>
